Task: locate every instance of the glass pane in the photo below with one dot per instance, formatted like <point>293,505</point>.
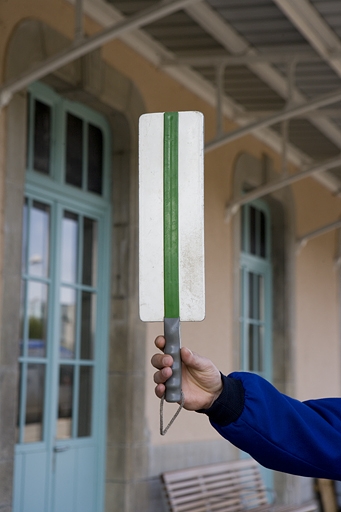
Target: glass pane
<point>67,323</point>
<point>89,252</point>
<point>88,324</point>
<point>39,240</point>
<point>42,138</point>
<point>260,348</point>
<point>253,348</point>
<point>37,318</point>
<point>85,401</point>
<point>64,422</point>
<point>74,151</point>
<point>69,247</point>
<point>251,295</point>
<point>262,235</point>
<point>18,425</point>
<point>253,234</point>
<point>255,339</point>
<point>24,238</point>
<point>34,403</point>
<point>22,317</point>
<point>95,159</point>
<point>261,306</point>
<point>242,232</point>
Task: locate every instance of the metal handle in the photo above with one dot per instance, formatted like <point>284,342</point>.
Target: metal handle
<point>172,347</point>
<point>59,449</point>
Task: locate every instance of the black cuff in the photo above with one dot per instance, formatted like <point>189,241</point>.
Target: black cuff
<point>229,404</point>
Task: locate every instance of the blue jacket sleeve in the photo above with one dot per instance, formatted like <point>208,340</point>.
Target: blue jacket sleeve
<point>281,433</point>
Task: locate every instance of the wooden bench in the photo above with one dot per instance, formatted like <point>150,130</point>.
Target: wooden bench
<point>225,487</point>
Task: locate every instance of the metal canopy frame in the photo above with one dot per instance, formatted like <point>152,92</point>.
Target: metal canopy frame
<point>324,45</point>
<point>81,46</point>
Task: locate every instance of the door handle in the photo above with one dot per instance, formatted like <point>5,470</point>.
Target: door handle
<point>60,449</point>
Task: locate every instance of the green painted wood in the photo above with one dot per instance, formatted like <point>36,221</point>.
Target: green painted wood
<point>171,216</point>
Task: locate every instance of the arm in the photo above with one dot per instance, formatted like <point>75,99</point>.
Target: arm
<point>281,433</point>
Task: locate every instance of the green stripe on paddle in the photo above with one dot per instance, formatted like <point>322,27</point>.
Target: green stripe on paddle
<point>171,215</point>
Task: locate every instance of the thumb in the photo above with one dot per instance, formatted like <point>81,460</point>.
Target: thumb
<point>192,359</point>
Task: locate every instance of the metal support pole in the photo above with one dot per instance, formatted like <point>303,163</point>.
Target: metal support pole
<point>302,242</point>
<point>234,206</point>
<point>160,10</point>
<point>322,101</point>
<point>291,67</point>
<point>79,28</point>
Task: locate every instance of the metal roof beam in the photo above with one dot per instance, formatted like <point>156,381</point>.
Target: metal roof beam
<point>302,241</point>
<point>243,60</point>
<point>314,28</point>
<point>79,49</point>
<point>268,188</point>
<point>289,113</point>
<point>235,44</point>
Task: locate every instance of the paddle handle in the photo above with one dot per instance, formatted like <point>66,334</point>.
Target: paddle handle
<point>172,347</point>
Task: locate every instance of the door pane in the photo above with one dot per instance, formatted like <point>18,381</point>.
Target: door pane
<point>37,318</point>
<point>68,311</point>
<point>95,159</point>
<point>74,151</point>
<point>85,401</point>
<point>88,323</point>
<point>65,394</point>
<point>33,431</point>
<point>69,263</point>
<point>24,238</point>
<point>89,252</point>
<point>42,138</point>
<point>39,243</point>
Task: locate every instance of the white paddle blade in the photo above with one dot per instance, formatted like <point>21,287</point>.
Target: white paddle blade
<point>190,211</point>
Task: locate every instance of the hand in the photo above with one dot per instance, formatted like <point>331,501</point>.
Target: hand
<point>201,380</point>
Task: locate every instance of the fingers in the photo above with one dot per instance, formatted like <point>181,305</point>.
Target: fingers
<point>160,390</point>
<point>160,361</point>
<point>160,342</point>
<point>161,376</point>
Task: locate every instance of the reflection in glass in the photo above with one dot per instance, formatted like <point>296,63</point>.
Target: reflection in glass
<point>34,415</point>
<point>85,401</point>
<point>39,240</point>
<point>64,423</point>
<point>74,150</point>
<point>89,251</point>
<point>255,347</point>
<point>42,138</point>
<point>88,322</point>
<point>253,233</point>
<point>24,238</point>
<point>67,323</point>
<point>18,426</point>
<point>22,317</point>
<point>69,247</point>
<point>262,235</point>
<point>37,309</point>
<point>251,295</point>
<point>95,159</point>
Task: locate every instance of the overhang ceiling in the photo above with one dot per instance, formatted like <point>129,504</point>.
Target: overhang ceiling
<point>272,66</point>
<point>263,56</point>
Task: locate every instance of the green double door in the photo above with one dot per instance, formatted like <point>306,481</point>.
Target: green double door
<point>59,455</point>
